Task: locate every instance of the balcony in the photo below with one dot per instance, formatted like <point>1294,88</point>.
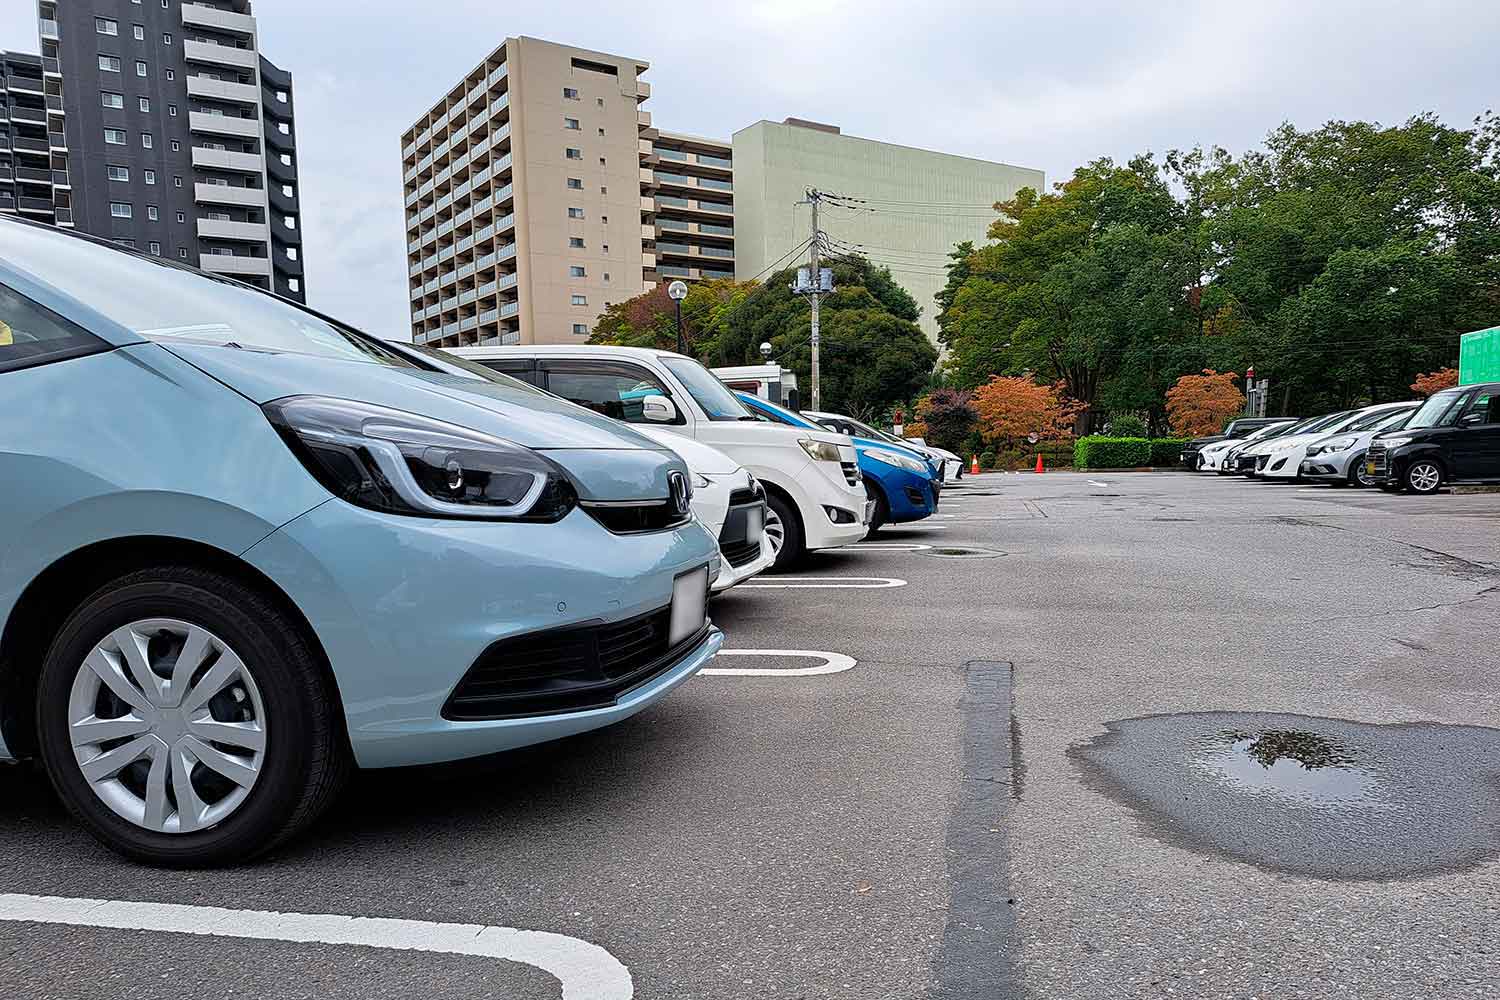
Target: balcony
<point>222,90</point>
<point>224,159</point>
<point>48,28</point>
<point>220,20</point>
<point>60,179</point>
<point>643,119</point>
<point>36,116</point>
<point>51,67</point>
<point>218,263</point>
<point>202,121</point>
<point>26,144</point>
<point>222,229</point>
<point>34,174</point>
<point>26,84</point>
<point>714,161</point>
<point>36,205</point>
<point>220,55</point>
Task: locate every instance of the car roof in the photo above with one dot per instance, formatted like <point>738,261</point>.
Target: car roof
<point>570,350</point>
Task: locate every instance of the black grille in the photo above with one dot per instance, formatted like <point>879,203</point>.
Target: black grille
<point>632,519</point>
<point>567,669</point>
<point>851,473</point>
<point>1379,455</point>
<point>734,545</point>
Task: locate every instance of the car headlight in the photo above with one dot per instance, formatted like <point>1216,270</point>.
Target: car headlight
<point>404,463</point>
<point>1333,444</point>
<point>820,451</point>
<point>1396,442</point>
<point>701,481</point>
<point>899,460</point>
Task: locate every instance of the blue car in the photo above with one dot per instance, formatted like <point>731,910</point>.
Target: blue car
<point>244,549</point>
<point>903,484</point>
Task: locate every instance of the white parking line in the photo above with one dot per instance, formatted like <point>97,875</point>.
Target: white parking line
<point>586,971</point>
<point>887,547</point>
<point>1093,482</point>
<point>824,582</point>
<point>833,663</point>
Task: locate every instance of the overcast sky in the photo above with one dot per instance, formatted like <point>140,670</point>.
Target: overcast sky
<point>1039,85</point>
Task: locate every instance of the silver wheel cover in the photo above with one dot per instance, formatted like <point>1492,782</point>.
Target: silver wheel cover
<point>167,725</point>
<point>774,530</point>
<point>1424,476</point>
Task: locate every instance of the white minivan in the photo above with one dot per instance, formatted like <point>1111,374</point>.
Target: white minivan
<point>814,493</point>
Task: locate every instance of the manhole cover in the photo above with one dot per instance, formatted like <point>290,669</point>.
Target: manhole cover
<point>962,552</point>
<point>1325,798</point>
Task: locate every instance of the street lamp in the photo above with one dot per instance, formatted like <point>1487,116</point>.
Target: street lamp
<point>765,349</point>
<point>677,291</point>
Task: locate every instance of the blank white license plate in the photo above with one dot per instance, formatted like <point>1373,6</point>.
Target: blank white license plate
<point>689,598</point>
<point>755,523</point>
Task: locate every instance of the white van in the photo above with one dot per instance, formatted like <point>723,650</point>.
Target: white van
<point>814,493</point>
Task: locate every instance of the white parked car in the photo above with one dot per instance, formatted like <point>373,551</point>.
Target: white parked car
<point>1340,458</point>
<point>1284,454</point>
<point>1211,457</point>
<point>726,498</point>
<point>815,496</point>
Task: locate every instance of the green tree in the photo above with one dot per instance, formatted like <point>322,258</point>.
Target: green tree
<point>649,319</point>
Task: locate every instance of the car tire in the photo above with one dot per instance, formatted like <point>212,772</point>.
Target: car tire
<point>1357,476</point>
<point>792,548</point>
<point>882,512</point>
<point>251,735</point>
<point>1424,476</point>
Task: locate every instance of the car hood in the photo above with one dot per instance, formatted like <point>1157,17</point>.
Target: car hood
<point>699,457</point>
<point>607,459</point>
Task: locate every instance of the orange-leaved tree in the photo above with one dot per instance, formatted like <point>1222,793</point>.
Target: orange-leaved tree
<point>1202,404</point>
<point>1443,378</point>
<point>1012,409</point>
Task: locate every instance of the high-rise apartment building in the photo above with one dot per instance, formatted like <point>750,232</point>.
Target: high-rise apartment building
<point>903,207</point>
<point>694,207</point>
<point>34,180</point>
<point>179,134</point>
<point>528,197</point>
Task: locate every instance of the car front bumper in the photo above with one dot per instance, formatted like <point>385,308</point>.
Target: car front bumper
<point>820,499</point>
<point>404,607</point>
<point>1330,466</point>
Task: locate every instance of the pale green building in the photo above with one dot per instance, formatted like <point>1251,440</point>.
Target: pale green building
<point>913,204</point>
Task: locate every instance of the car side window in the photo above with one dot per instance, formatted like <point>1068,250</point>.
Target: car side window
<point>1486,403</point>
<point>523,370</point>
<point>614,392</point>
<point>33,335</point>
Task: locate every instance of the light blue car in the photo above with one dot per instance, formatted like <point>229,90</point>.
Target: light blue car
<point>244,549</point>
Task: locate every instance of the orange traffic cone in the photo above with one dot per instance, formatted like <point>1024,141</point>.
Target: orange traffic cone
<point>1039,463</point>
<point>974,466</point>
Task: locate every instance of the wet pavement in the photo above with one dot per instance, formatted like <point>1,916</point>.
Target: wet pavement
<point>1325,798</point>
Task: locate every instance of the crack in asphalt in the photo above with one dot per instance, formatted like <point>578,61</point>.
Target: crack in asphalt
<point>1403,611</point>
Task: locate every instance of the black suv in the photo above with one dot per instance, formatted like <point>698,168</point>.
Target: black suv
<point>1453,438</point>
<point>1236,429</point>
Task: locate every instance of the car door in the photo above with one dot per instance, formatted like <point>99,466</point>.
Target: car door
<point>613,388</point>
<point>1475,446</point>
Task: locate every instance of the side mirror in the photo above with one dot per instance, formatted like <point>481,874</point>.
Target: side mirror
<point>658,409</point>
<point>1470,419</point>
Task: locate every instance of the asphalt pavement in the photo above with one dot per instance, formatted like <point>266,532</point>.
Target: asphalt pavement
<point>973,808</point>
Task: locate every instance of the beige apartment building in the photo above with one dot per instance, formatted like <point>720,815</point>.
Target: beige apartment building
<point>529,197</point>
<point>694,207</point>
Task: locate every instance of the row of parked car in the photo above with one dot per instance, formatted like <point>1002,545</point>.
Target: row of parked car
<point>1419,446</point>
<point>246,549</point>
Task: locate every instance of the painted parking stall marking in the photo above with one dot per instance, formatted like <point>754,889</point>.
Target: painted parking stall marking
<point>888,547</point>
<point>824,583</point>
<point>832,663</point>
<point>586,971</point>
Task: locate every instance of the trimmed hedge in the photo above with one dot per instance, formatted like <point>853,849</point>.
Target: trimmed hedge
<point>1099,452</point>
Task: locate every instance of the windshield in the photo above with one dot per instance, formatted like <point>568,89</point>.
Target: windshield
<point>443,358</point>
<point>716,398</point>
<point>1394,421</point>
<point>1432,412</point>
<point>1379,418</point>
<point>1326,422</point>
<point>1269,430</point>
<point>776,414</point>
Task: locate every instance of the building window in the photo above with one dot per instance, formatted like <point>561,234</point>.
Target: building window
<point>140,68</point>
<point>286,159</point>
<point>576,183</point>
<point>139,30</point>
<point>109,100</point>
<point>603,189</point>
<point>171,110</point>
<point>601,161</point>
<point>146,141</point>
<point>177,181</point>
<point>599,101</point>
<point>182,252</point>
<point>150,176</point>
<point>114,136</point>
<point>580,328</point>
<point>171,75</point>
<point>166,39</point>
<point>577,272</point>
<point>176,146</point>
<point>125,243</point>
<point>291,221</point>
<point>106,26</point>
<point>574,154</point>
<point>606,275</point>
<point>570,93</point>
<point>288,191</point>
<point>571,123</point>
<point>281,96</point>
<point>110,64</point>
<point>181,217</point>
<point>294,284</point>
<point>120,209</point>
<point>604,219</point>
<point>580,300</point>
<point>605,248</point>
<point>291,253</point>
<point>575,213</point>
<point>155,248</point>
<point>283,128</point>
<point>575,242</point>
<point>119,173</point>
<point>145,103</point>
<point>151,213</point>
<point>601,131</point>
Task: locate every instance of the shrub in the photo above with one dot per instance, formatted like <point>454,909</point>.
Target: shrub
<point>1202,404</point>
<point>1127,426</point>
<point>948,416</point>
<point>1099,452</point>
<point>1167,452</point>
<point>987,460</point>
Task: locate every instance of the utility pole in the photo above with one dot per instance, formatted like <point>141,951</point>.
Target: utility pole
<point>814,282</point>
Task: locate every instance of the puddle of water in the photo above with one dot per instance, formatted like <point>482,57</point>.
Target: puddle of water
<point>1315,797</point>
<point>963,552</point>
<point>1291,764</point>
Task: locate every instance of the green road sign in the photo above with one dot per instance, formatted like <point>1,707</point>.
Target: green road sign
<point>1479,356</point>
